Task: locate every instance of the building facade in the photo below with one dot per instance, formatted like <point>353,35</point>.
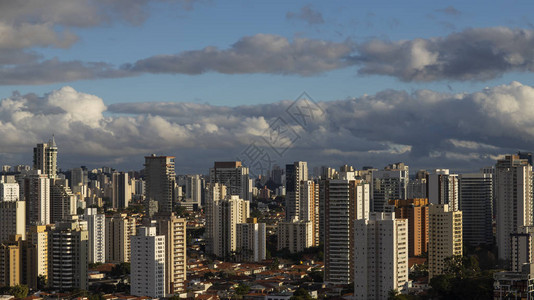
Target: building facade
<point>173,229</point>
<point>251,241</point>
<point>476,204</point>
<point>148,263</point>
<point>513,198</point>
<point>445,237</point>
<point>160,181</point>
<point>346,200</point>
<point>380,255</point>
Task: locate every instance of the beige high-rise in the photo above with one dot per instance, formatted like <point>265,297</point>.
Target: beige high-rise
<point>174,230</point>
<point>119,230</point>
<point>445,237</point>
<point>11,262</point>
<point>36,254</point>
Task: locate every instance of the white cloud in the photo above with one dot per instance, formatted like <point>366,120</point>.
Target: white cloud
<point>424,128</point>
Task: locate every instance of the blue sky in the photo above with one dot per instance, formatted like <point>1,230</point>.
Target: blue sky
<point>171,29</point>
<point>231,64</point>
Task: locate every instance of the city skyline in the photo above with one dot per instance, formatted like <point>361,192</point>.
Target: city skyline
<point>115,82</point>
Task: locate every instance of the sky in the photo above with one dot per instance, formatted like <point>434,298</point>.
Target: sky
<point>434,84</point>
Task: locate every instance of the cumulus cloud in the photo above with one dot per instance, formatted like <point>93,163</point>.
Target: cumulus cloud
<point>307,14</point>
<point>424,128</point>
<point>261,53</point>
<point>473,54</point>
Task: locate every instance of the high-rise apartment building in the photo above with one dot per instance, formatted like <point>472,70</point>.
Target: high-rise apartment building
<point>35,189</point>
<point>389,184</point>
<point>309,207</point>
<point>160,181</point>
<point>295,174</point>
<point>36,248</point>
<point>380,256</point>
<point>295,235</point>
<point>417,189</point>
<point>445,237</point>
<point>522,246</point>
<point>9,189</point>
<point>148,263</point>
<point>443,188</point>
<point>121,190</point>
<point>227,214</point>
<point>513,193</point>
<point>68,264</point>
<point>251,241</point>
<point>214,193</point>
<point>45,158</point>
<point>476,204</point>
<point>416,212</point>
<point>11,262</point>
<point>173,229</point>
<point>119,230</point>
<point>346,200</point>
<point>96,227</point>
<point>234,176</point>
<point>12,219</point>
<point>62,201</point>
<point>193,189</point>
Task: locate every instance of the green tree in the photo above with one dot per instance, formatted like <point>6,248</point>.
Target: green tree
<point>19,291</point>
<point>242,289</point>
<point>301,294</point>
<point>120,270</point>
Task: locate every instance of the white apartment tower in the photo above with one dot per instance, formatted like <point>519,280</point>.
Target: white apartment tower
<point>513,198</point>
<point>346,200</point>
<point>228,213</point>
<point>45,158</point>
<point>443,188</point>
<point>251,241</point>
<point>380,256</point>
<point>295,235</point>
<point>35,188</point>
<point>96,226</point>
<point>444,237</point>
<point>214,193</point>
<point>148,264</point>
